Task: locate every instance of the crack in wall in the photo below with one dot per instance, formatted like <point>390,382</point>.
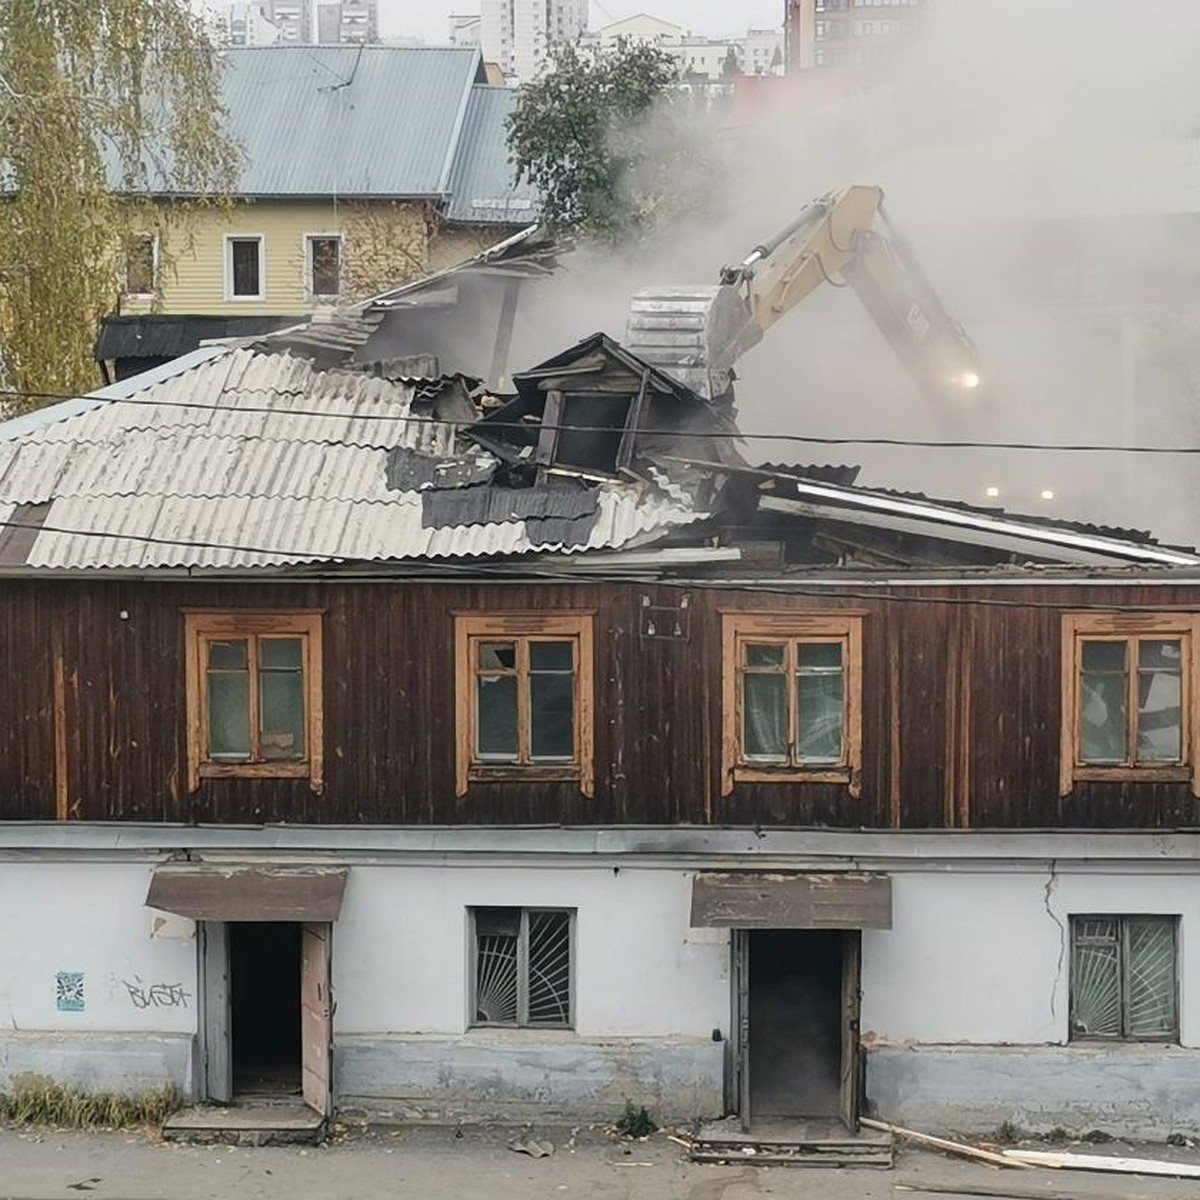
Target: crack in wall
<point>1051,881</point>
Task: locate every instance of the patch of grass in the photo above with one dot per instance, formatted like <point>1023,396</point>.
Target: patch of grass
<point>38,1100</point>
<point>1178,1139</point>
<point>1007,1133</point>
<point>1057,1135</point>
<point>1097,1137</point>
<point>635,1122</point>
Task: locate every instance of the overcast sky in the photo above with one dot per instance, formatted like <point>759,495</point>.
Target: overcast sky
<point>716,18</point>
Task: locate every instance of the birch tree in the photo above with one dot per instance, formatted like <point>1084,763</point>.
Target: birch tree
<point>101,102</point>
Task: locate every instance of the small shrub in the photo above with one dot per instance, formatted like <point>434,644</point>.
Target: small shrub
<point>1098,1137</point>
<point>1007,1132</point>
<point>37,1100</point>
<point>635,1122</point>
<point>1058,1134</point>
<point>1177,1139</point>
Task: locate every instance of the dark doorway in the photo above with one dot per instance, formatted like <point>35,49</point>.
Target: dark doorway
<point>264,1006</point>
<point>795,1028</point>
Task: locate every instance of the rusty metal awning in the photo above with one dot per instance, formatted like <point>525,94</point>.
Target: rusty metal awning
<point>775,900</point>
<point>211,893</point>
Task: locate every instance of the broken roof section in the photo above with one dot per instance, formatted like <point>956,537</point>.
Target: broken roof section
<point>302,450</point>
<point>237,458</point>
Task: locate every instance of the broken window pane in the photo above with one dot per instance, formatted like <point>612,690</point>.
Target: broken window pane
<point>325,265</point>
<point>1103,717</point>
<point>551,701</point>
<point>497,656</point>
<point>821,700</point>
<point>496,718</point>
<point>1160,713</point>
<point>764,717</point>
<point>281,698</point>
<point>139,265</point>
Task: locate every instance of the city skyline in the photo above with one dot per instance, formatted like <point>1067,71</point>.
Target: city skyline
<point>429,19</point>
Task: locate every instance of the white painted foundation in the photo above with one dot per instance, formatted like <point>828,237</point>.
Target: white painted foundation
<point>965,999</point>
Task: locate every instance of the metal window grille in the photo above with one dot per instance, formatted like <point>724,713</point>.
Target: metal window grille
<point>522,967</point>
<point>1124,978</point>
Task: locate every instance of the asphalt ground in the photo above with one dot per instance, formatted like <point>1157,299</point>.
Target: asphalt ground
<point>475,1164</point>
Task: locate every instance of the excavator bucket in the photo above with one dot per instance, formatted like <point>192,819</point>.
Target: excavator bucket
<point>694,335</point>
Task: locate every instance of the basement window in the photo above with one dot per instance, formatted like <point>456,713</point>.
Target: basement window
<point>524,698</point>
<point>1124,978</point>
<point>254,695</point>
<point>792,706</point>
<point>522,967</point>
<point>1128,680</point>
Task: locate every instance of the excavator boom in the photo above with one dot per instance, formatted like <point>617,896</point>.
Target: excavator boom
<point>697,334</point>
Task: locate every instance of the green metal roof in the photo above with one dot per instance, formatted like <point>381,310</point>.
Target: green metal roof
<point>483,183</point>
<point>346,121</point>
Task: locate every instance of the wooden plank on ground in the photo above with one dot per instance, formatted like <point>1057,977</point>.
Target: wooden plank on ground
<point>1112,1164</point>
<point>944,1144</point>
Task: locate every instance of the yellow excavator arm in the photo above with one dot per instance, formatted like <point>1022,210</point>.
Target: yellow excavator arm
<point>697,334</point>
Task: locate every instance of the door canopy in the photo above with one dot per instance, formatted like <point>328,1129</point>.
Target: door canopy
<point>775,900</point>
<point>234,893</point>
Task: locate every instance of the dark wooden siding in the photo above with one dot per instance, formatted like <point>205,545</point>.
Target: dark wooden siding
<point>975,689</point>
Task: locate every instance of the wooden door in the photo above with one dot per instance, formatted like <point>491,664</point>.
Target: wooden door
<point>316,1017</point>
<point>218,1045</point>
<point>851,1010</point>
<point>740,943</point>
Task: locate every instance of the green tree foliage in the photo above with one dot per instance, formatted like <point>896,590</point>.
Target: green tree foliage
<point>101,101</point>
<point>594,135</point>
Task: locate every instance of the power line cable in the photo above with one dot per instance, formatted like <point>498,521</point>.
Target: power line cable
<point>542,574</point>
<point>711,435</point>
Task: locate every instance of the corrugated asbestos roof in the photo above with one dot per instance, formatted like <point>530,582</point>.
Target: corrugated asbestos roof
<point>232,459</point>
<point>483,184</point>
<point>369,121</point>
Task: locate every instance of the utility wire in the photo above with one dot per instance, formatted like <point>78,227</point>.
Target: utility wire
<point>543,574</point>
<point>710,435</point>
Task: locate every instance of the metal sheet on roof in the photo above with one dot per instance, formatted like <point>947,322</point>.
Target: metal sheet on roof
<point>483,186</point>
<point>249,459</point>
<point>346,121</point>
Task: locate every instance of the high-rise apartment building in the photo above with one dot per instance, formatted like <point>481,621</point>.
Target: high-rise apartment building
<point>360,22</point>
<point>329,23</point>
<point>244,24</point>
<point>518,34</point>
<point>836,33</point>
<point>464,29</point>
<point>294,18</point>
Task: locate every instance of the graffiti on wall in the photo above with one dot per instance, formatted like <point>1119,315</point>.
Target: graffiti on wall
<point>155,995</point>
<point>68,991</point>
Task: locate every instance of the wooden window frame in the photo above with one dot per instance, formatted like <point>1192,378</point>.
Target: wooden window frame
<point>204,625</point>
<point>740,627</point>
<point>470,628</point>
<point>1080,627</point>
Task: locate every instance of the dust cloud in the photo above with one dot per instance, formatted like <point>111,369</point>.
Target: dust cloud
<point>1040,156</point>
